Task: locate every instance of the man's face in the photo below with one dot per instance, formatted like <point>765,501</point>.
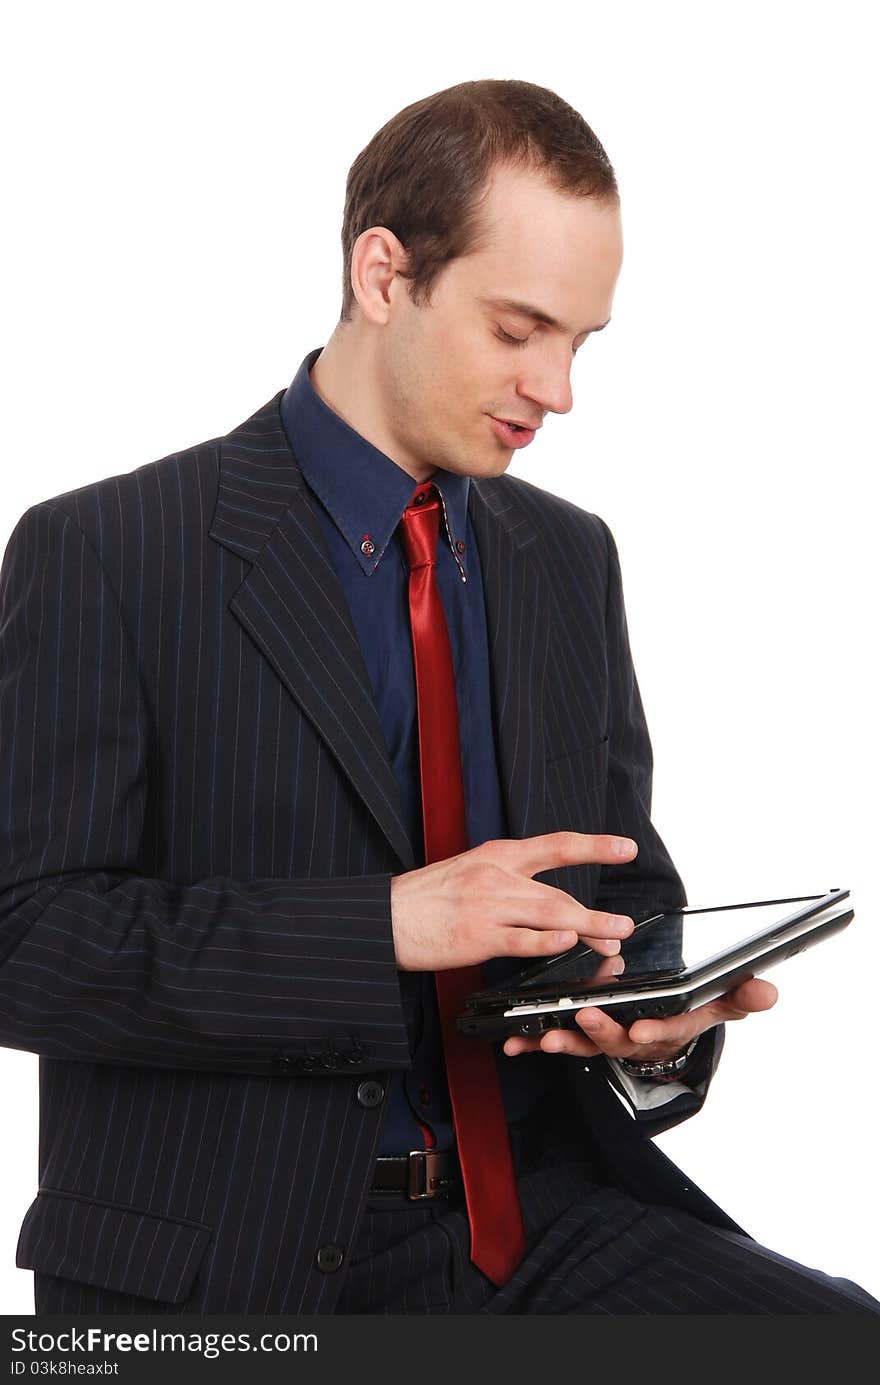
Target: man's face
<point>449,369</point>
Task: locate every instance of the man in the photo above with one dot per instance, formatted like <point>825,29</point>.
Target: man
<point>227,928</point>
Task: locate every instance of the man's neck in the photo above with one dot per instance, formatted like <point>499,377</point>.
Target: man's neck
<point>346,378</point>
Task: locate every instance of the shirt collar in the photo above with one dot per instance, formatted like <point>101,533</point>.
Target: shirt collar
<point>362,489</point>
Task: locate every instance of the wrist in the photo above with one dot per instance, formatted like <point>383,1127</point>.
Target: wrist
<point>660,1069</point>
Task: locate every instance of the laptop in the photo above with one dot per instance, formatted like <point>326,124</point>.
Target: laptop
<point>675,960</point>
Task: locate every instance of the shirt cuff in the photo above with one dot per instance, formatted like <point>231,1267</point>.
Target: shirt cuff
<point>649,1094</point>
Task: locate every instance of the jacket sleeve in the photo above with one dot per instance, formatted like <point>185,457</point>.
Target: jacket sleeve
<point>650,882</point>
<point>100,962</point>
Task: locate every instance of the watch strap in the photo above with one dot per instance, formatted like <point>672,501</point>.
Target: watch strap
<point>659,1069</point>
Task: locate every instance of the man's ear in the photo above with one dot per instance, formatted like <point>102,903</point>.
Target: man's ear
<point>376,258</point>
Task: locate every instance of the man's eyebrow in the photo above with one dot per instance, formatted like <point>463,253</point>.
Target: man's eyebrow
<point>514,305</point>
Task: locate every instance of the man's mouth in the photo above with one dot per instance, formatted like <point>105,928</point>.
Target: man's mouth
<point>513,434</point>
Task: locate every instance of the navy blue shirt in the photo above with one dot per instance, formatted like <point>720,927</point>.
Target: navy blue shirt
<point>361,494</point>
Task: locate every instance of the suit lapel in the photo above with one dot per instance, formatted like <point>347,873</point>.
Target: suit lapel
<point>517,621</point>
<point>294,609</point>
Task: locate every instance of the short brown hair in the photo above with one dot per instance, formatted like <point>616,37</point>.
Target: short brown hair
<point>421,175</point>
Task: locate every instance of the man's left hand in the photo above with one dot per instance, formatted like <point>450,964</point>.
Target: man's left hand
<point>646,1039</point>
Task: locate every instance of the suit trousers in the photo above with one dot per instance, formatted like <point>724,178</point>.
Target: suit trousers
<point>591,1249</point>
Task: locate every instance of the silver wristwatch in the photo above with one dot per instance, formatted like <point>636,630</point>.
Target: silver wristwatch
<point>658,1067</point>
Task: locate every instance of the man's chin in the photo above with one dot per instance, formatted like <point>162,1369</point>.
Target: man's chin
<point>472,458</point>
<point>482,468</point>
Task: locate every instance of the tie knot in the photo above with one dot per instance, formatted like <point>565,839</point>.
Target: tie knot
<point>420,525</point>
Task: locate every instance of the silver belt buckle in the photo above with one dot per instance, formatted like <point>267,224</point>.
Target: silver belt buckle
<point>422,1181</point>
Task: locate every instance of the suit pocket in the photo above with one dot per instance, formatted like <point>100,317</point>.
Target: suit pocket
<point>111,1246</point>
<point>577,774</point>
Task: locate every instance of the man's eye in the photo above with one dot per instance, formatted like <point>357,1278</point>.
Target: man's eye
<point>514,341</point>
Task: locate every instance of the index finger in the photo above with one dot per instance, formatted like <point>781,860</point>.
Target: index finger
<point>535,854</point>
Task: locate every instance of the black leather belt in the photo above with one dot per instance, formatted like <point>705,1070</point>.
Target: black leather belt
<point>421,1173</point>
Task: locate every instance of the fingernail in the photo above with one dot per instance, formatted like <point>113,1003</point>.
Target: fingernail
<point>617,966</point>
<point>623,845</point>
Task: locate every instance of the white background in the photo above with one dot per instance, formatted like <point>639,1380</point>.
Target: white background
<point>176,178</point>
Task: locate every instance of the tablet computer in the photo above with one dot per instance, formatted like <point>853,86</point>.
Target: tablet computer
<point>675,960</point>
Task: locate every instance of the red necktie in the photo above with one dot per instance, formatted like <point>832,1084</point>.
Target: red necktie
<point>497,1238</point>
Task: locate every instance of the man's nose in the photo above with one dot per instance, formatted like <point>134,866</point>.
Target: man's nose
<point>548,384</point>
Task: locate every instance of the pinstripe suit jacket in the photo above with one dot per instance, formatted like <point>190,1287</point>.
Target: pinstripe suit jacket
<point>198,827</point>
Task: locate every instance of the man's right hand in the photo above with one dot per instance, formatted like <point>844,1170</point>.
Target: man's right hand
<point>484,903</point>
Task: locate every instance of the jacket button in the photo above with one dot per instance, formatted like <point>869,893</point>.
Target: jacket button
<point>370,1094</point>
<point>330,1258</point>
